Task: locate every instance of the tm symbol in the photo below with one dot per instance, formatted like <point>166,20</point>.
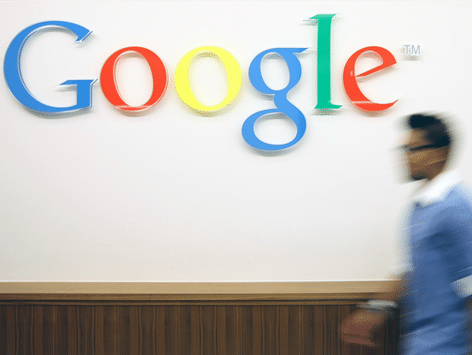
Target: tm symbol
<point>412,50</point>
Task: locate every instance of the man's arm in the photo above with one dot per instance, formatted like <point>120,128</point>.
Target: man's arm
<point>469,328</point>
<point>395,290</point>
<point>360,326</point>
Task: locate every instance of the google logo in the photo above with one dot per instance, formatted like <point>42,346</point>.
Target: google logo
<point>16,84</point>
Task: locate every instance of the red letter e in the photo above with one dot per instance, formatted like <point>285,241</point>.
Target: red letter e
<point>350,82</point>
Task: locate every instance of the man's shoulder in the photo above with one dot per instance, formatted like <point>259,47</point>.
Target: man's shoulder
<point>460,196</point>
<point>457,207</point>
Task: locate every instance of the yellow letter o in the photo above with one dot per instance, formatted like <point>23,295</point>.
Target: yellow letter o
<point>182,81</point>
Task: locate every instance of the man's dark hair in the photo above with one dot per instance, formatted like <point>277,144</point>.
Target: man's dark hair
<point>436,129</point>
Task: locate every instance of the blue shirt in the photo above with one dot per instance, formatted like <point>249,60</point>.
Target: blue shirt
<point>439,276</point>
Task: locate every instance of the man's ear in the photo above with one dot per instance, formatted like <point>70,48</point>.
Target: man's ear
<point>440,156</point>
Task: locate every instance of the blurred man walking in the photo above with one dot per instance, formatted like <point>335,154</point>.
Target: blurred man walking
<point>434,287</point>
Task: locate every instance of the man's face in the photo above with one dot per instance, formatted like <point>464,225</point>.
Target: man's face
<point>419,161</point>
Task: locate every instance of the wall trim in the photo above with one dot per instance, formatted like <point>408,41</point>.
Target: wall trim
<point>191,291</point>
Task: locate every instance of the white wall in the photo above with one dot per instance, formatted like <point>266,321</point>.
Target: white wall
<point>171,195</point>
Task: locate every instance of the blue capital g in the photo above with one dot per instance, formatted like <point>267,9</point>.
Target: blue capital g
<point>14,79</point>
<point>280,99</point>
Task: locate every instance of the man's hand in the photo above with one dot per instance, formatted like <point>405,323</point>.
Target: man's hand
<point>360,327</point>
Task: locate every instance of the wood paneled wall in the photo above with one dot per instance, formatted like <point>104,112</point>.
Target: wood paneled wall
<point>188,329</point>
<point>276,324</point>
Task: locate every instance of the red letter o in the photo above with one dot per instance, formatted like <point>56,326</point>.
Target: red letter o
<point>108,83</point>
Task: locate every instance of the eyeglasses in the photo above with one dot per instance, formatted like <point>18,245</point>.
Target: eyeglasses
<point>408,149</point>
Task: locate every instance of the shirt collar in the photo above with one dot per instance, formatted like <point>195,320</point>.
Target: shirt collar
<point>437,189</point>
